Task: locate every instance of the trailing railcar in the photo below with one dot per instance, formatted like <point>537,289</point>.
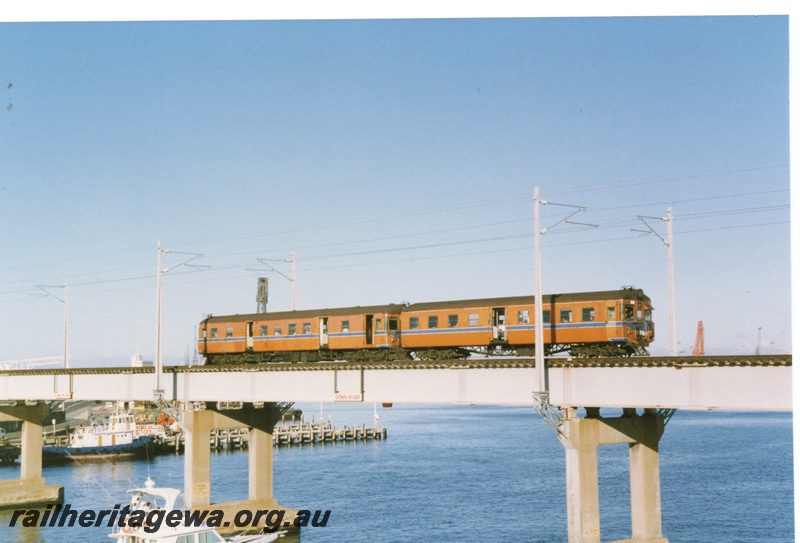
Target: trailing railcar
<point>350,333</point>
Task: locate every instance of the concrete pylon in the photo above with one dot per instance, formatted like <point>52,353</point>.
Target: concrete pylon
<point>30,489</point>
<point>197,457</point>
<point>580,438</point>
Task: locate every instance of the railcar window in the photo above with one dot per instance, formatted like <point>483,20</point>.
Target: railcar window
<point>378,324</point>
<point>413,323</point>
<point>523,317</point>
<point>473,319</point>
<point>433,322</point>
<point>628,312</point>
<point>638,314</point>
<point>292,329</point>
<point>264,331</point>
<point>452,321</point>
<point>229,331</point>
<point>213,332</point>
<point>566,315</point>
<point>277,330</point>
<point>545,315</point>
<point>610,314</point>
<point>648,315</point>
<point>345,326</point>
<point>587,314</point>
<point>393,324</point>
<point>306,327</point>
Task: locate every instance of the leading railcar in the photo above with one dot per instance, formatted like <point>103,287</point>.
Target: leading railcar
<point>605,323</point>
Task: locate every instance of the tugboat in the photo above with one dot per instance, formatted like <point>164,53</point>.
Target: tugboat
<point>150,498</point>
<point>117,439</point>
<point>8,452</point>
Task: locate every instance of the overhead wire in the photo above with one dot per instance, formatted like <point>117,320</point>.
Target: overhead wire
<point>449,243</point>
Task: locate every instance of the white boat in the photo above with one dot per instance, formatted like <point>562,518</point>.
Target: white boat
<point>146,499</point>
<point>117,439</point>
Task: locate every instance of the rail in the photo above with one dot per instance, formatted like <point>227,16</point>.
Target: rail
<point>677,362</point>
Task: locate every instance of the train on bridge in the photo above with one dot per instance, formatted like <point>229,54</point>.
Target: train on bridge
<point>605,323</point>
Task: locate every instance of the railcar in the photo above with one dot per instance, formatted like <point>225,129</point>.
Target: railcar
<point>350,333</point>
<point>605,323</point>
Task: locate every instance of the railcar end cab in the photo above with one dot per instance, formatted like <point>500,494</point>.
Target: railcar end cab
<point>637,314</point>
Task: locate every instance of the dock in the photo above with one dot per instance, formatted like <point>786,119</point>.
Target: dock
<point>285,434</point>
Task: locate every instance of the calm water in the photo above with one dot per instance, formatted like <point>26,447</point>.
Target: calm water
<point>480,474</point>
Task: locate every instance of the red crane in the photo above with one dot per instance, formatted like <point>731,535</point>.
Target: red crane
<point>699,341</point>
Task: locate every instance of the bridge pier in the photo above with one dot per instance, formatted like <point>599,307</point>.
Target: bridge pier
<point>30,489</point>
<point>581,438</point>
<point>197,457</point>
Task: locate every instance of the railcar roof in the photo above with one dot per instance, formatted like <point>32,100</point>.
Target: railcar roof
<point>622,294</point>
<point>309,313</point>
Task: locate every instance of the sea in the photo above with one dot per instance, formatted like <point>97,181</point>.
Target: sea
<point>476,473</point>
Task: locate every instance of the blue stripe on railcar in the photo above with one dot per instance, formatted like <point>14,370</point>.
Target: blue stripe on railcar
<point>356,334</point>
<point>259,338</point>
<point>417,331</point>
<point>563,325</point>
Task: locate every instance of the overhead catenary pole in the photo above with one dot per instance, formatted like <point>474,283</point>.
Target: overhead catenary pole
<point>66,324</point>
<point>539,325</point>
<point>541,393</point>
<point>294,282</point>
<point>158,321</point>
<point>65,301</point>
<point>673,341</point>
<point>541,386</point>
<point>158,392</point>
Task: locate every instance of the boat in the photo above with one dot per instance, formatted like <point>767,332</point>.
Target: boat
<point>150,498</point>
<point>117,439</point>
<point>8,452</point>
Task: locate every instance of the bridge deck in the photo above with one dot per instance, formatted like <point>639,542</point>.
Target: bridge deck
<point>708,382</point>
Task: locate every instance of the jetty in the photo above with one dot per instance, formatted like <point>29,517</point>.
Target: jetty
<point>285,434</point>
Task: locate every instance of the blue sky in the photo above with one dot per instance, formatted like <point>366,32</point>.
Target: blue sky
<point>397,159</point>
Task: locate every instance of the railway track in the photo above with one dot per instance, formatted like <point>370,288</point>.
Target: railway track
<point>678,362</point>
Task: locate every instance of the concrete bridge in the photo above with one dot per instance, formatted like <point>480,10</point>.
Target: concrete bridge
<point>647,389</point>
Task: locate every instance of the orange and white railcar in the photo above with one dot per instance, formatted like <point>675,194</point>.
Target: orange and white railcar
<point>300,336</point>
<point>583,324</point>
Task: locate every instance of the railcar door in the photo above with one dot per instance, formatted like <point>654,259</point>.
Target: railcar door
<point>323,332</point>
<point>499,324</point>
<point>394,330</point>
<point>611,321</point>
<point>249,336</point>
<point>368,329</point>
